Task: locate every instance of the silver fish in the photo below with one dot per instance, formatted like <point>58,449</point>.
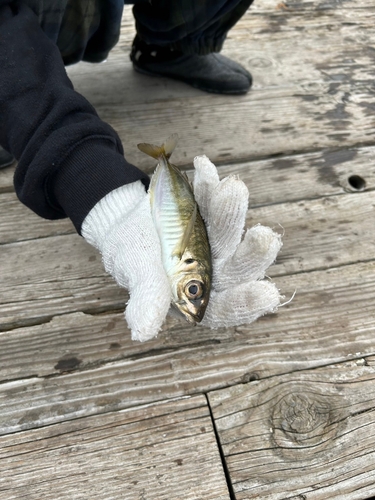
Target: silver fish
<point>185,248</point>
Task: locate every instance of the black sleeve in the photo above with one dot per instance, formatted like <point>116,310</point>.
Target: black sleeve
<point>68,158</point>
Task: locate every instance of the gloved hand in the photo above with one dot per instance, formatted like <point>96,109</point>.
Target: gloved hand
<point>239,294</point>
<point>121,227</point>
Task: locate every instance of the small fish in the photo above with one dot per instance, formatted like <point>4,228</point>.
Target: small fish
<point>185,249</point>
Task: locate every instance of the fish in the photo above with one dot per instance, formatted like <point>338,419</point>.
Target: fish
<point>185,248</point>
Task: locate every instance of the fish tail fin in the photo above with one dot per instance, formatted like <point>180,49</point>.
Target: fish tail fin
<point>169,145</point>
<point>166,149</point>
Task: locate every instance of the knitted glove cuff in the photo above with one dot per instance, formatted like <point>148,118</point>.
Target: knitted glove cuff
<point>110,211</point>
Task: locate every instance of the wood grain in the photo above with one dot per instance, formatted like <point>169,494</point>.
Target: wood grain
<point>301,435</point>
<point>296,338</point>
<point>270,181</point>
<point>86,413</point>
<point>19,223</point>
<point>319,234</point>
<point>80,341</point>
<point>156,452</point>
<point>6,179</point>
<point>301,100</point>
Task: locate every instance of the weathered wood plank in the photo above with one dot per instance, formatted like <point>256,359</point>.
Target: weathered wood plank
<point>302,435</point>
<point>6,179</point>
<point>273,180</point>
<point>264,41</point>
<point>291,6</point>
<point>282,121</point>
<point>301,99</point>
<point>321,233</point>
<point>41,278</point>
<point>19,223</point>
<point>81,341</point>
<point>77,364</point>
<point>331,319</point>
<point>166,451</point>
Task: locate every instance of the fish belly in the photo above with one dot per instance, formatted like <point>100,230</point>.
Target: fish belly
<point>171,207</point>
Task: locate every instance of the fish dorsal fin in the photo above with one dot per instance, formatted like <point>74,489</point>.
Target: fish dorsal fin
<point>183,242</point>
<point>166,149</point>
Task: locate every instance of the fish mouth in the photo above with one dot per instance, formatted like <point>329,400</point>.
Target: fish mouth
<point>197,318</point>
<point>189,316</point>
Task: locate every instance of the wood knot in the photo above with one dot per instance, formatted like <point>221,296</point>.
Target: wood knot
<point>305,420</point>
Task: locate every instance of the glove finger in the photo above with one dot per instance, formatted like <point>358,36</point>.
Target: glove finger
<point>206,179</point>
<point>148,306</point>
<point>254,255</point>
<point>241,305</point>
<point>227,214</point>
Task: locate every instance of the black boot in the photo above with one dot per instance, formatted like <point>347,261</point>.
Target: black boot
<point>212,73</point>
<point>6,159</point>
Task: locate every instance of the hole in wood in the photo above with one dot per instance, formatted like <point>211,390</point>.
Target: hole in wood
<point>249,377</point>
<point>357,182</point>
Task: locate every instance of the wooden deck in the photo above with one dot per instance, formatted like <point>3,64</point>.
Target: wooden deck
<point>281,409</point>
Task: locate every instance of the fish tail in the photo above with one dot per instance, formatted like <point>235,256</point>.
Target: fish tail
<point>165,150</point>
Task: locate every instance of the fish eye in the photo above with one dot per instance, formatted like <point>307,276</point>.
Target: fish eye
<point>194,290</point>
<point>189,261</point>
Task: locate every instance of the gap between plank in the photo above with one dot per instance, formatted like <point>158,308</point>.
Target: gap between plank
<point>118,308</point>
<point>281,155</point>
<point>175,398</point>
<point>228,479</point>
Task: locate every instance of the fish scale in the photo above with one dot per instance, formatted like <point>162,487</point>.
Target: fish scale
<point>183,237</point>
<point>166,215</point>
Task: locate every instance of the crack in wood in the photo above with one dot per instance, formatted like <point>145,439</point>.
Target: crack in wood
<point>221,452</point>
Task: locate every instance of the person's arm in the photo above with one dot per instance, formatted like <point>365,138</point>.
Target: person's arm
<point>71,164</point>
<point>68,159</point>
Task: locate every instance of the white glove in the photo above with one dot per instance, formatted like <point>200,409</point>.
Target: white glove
<point>239,295</point>
<point>121,227</point>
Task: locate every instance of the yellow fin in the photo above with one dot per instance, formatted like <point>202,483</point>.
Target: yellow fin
<point>151,150</point>
<point>166,149</point>
<point>169,145</point>
<point>183,243</point>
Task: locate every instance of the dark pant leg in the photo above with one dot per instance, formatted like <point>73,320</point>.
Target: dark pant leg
<point>191,26</point>
<point>82,29</point>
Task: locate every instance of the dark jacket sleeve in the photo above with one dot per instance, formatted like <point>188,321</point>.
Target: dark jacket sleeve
<point>68,158</point>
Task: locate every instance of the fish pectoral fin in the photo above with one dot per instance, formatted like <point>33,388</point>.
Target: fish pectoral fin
<point>166,149</point>
<point>183,243</point>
